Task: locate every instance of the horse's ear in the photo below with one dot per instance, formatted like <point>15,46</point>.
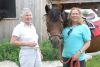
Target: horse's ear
<point>47,8</point>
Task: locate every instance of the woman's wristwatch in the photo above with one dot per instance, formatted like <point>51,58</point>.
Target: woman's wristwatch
<point>81,51</point>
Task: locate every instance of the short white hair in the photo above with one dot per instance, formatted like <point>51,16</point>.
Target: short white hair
<point>25,11</point>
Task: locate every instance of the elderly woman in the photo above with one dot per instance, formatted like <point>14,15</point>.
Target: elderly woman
<point>76,38</point>
<point>25,36</point>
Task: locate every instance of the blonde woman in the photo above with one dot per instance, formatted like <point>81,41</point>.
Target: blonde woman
<point>76,38</point>
<point>25,36</point>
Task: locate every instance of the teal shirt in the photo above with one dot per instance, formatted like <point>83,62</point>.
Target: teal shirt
<point>75,41</point>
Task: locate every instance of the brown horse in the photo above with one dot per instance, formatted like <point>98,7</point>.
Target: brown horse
<point>55,25</point>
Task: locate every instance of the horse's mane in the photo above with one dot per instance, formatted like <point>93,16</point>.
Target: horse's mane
<point>65,19</point>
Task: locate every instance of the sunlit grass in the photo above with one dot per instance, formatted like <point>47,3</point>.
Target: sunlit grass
<point>94,62</point>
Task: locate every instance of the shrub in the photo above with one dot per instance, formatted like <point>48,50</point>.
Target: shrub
<point>48,52</point>
<point>8,52</point>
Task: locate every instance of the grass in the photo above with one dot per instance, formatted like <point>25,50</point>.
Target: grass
<point>95,62</point>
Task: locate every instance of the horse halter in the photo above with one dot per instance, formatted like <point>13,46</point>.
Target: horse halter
<point>55,35</point>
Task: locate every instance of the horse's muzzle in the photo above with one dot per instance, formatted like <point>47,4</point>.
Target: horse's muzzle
<point>55,42</point>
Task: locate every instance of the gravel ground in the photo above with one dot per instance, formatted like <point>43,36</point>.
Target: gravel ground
<point>52,64</point>
<point>45,64</point>
<point>7,63</point>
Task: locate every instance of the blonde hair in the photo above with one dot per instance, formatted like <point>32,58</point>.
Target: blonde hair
<point>80,21</point>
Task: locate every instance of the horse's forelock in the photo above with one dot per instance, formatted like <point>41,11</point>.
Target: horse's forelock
<point>54,14</point>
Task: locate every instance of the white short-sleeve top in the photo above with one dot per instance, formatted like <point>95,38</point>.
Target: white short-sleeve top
<point>26,33</point>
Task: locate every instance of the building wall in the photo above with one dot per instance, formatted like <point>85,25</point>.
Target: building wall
<point>37,7</point>
<point>6,27</point>
<point>44,34</point>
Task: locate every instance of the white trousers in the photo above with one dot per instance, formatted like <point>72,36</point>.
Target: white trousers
<point>30,58</point>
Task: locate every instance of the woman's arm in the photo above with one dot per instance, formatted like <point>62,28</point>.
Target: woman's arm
<point>21,43</point>
<point>85,47</point>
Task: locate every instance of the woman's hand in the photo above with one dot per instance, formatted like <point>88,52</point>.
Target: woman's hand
<point>76,56</point>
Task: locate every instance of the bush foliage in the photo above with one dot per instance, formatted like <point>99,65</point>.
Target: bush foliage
<point>48,52</point>
<point>10,52</point>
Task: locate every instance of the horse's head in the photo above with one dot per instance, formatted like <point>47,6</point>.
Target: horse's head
<point>54,24</point>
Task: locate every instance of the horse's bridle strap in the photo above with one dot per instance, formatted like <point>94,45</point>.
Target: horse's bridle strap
<point>55,35</point>
<point>50,36</point>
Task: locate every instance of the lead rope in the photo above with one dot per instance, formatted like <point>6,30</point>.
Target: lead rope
<point>70,60</point>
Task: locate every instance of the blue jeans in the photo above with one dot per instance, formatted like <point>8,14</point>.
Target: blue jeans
<point>82,63</point>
